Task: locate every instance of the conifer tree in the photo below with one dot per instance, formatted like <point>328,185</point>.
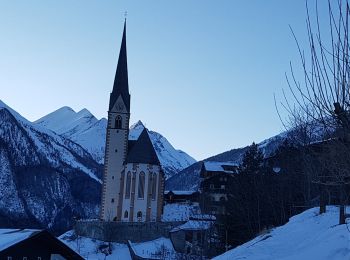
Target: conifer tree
<point>252,160</point>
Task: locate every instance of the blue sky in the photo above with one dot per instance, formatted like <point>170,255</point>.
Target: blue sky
<point>202,73</point>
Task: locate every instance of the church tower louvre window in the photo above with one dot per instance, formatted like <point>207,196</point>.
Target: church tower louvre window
<point>118,122</point>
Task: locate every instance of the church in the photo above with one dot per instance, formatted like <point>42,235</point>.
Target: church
<point>133,180</point>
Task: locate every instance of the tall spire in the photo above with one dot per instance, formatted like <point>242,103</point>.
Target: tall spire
<point>121,84</point>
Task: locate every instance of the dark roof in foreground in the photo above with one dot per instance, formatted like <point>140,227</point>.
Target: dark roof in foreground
<point>142,151</point>
<point>18,242</point>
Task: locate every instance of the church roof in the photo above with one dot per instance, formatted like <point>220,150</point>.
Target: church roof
<point>142,150</point>
<point>121,83</point>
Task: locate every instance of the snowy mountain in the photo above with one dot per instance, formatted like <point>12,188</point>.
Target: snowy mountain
<point>81,127</point>
<point>85,129</point>
<point>306,236</point>
<point>45,178</point>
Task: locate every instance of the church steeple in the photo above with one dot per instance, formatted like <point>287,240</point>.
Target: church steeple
<point>121,84</point>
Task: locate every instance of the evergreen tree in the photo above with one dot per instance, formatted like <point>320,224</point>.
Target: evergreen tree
<point>252,160</point>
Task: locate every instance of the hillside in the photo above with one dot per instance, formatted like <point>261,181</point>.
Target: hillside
<point>306,236</point>
<point>45,178</point>
<point>188,178</point>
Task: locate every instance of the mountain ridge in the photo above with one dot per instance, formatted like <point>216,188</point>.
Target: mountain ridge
<point>83,128</point>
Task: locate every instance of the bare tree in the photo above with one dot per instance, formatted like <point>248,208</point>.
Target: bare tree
<point>320,103</point>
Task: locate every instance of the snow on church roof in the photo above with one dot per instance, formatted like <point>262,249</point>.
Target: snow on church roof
<point>10,237</point>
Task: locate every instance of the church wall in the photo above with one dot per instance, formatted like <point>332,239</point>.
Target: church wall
<point>135,204</point>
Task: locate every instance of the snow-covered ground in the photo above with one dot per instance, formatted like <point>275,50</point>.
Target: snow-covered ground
<point>160,248</point>
<point>306,236</point>
<point>179,212</point>
<point>89,248</point>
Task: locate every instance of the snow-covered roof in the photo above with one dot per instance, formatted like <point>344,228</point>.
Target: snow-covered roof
<point>220,166</point>
<point>10,237</point>
<point>193,225</point>
<point>179,212</point>
<point>151,249</point>
<point>181,192</point>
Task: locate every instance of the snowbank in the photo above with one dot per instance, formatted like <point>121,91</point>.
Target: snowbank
<point>306,236</point>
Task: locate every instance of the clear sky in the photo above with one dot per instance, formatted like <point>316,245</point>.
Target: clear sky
<point>202,73</point>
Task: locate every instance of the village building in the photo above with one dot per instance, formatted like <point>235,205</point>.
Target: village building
<point>133,181</point>
<point>181,196</point>
<point>195,237</point>
<point>214,186</point>
<point>33,244</point>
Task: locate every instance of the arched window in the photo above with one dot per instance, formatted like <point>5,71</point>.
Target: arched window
<point>126,214</point>
<point>128,185</point>
<point>118,122</point>
<point>141,186</point>
<point>139,216</point>
<point>154,186</point>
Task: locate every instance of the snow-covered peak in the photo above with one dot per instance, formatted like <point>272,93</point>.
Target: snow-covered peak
<point>135,130</point>
<point>65,119</point>
<point>138,124</point>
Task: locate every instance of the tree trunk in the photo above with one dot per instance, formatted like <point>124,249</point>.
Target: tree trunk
<point>322,199</point>
<point>342,206</point>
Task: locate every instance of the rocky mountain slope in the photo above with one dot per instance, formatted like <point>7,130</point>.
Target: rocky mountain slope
<point>45,178</point>
<point>85,129</point>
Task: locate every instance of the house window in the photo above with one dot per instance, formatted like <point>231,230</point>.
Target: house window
<point>211,186</point>
<point>112,200</point>
<point>141,186</point>
<point>118,122</point>
<point>139,216</point>
<point>154,186</point>
<point>126,214</point>
<point>128,185</point>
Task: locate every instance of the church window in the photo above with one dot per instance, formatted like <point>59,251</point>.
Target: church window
<point>118,122</point>
<point>139,216</point>
<point>154,186</point>
<point>126,214</point>
<point>141,186</point>
<point>128,185</point>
